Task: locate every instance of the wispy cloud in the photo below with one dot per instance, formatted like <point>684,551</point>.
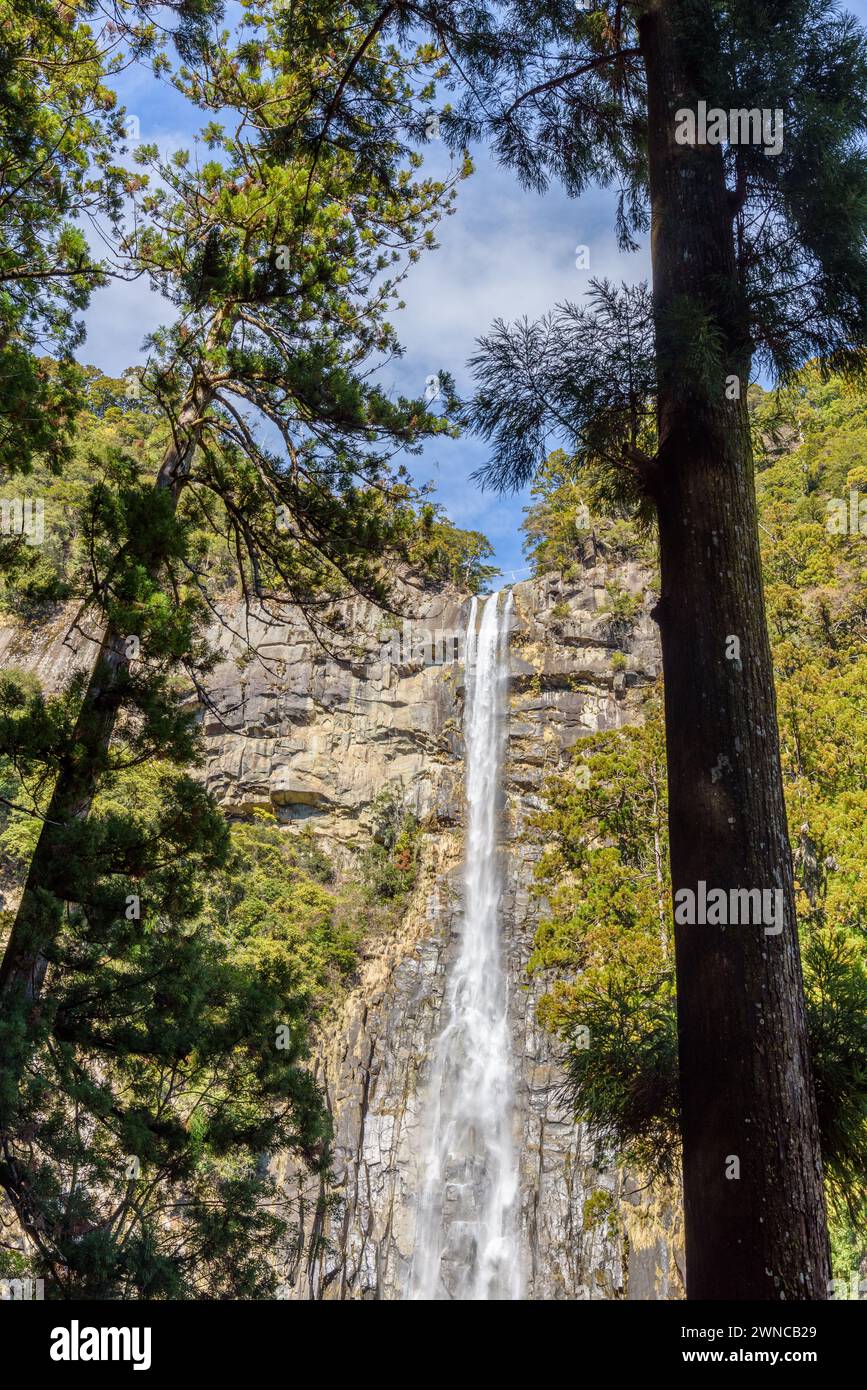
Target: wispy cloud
<point>505,253</point>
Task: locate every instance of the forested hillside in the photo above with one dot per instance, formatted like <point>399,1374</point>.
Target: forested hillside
<point>367,930</point>
<point>607,936</point>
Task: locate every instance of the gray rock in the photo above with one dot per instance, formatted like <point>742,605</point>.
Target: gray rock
<point>317,737</point>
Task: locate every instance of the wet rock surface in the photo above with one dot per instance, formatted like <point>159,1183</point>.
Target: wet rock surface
<point>393,719</point>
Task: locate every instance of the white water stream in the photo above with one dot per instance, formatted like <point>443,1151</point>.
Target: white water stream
<point>466,1236</point>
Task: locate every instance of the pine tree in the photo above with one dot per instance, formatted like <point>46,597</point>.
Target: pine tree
<point>58,135</point>
<point>275,257</point>
<point>185,963</point>
<point>603,871</point>
<point>61,136</point>
<point>758,257</point>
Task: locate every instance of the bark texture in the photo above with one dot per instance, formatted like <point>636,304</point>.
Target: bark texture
<point>746,1089</point>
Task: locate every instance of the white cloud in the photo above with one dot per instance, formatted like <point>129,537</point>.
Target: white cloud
<point>505,253</point>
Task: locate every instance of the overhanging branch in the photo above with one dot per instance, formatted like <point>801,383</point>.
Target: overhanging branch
<point>555,82</point>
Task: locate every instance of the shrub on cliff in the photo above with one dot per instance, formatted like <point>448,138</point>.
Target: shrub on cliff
<point>388,865</point>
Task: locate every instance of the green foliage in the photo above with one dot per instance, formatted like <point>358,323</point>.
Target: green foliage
<point>586,375</point>
<point>600,1207</point>
<point>570,522</point>
<point>604,871</point>
<point>178,1039</point>
<point>847,1255</point>
<point>157,1039</point>
<point>621,608</point>
<point>284,253</point>
<point>59,132</point>
<point>835,975</point>
<point>61,140</point>
<point>274,894</point>
<point>607,940</point>
<point>810,450</point>
<point>444,552</point>
<point>389,865</point>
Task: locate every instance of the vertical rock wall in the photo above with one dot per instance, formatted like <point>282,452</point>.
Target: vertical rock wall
<point>316,736</point>
<point>318,741</point>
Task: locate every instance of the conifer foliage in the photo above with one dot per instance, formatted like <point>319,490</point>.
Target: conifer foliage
<point>152,1052</point>
<point>749,267</point>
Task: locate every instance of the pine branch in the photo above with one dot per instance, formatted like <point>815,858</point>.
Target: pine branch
<point>554,82</point>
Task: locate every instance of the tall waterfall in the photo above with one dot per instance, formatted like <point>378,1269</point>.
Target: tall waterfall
<point>466,1236</point>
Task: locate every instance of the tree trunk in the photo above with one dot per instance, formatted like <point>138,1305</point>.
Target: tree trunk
<point>25,960</point>
<point>748,1106</point>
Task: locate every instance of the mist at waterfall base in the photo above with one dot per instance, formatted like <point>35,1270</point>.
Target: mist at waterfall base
<point>466,1244</point>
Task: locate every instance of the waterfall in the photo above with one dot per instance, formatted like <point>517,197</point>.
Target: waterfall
<point>466,1243</point>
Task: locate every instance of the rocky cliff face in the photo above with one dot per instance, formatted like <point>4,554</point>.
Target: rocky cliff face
<point>317,738</point>
<point>316,735</point>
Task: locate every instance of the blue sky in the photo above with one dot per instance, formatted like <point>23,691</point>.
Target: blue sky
<point>505,253</point>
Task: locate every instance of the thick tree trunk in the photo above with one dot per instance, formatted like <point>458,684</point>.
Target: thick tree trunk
<point>25,960</point>
<point>753,1194</point>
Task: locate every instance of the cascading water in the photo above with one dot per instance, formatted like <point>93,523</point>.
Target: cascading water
<point>466,1236</point>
